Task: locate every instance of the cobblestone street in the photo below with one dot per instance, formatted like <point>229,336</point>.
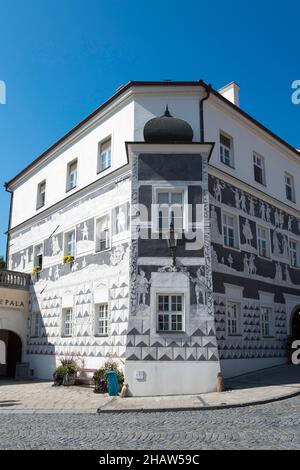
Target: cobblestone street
<point>271,426</point>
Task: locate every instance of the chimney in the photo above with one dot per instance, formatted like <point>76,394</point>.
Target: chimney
<point>231,92</point>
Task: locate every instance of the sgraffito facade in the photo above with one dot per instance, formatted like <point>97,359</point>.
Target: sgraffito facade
<point>91,223</point>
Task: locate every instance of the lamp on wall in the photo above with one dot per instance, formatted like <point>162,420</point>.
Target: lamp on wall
<point>172,241</point>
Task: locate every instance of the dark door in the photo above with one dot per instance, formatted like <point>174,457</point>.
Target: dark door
<point>14,353</point>
<point>296,324</point>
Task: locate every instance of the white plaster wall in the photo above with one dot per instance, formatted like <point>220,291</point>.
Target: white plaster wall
<point>85,148</point>
<point>245,141</point>
<point>183,105</point>
<point>235,367</point>
<point>247,138</point>
<point>172,378</point>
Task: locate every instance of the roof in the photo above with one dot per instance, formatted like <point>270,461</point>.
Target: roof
<point>133,84</point>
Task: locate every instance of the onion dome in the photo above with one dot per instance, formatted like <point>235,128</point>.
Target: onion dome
<point>167,129</point>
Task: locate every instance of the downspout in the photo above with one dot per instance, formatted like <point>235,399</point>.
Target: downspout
<point>201,114</point>
<point>9,223</point>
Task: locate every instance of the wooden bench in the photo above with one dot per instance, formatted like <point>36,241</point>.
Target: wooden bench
<point>85,377</point>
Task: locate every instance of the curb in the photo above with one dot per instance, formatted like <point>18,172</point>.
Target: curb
<point>101,410</point>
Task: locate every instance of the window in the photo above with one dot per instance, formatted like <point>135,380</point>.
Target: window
<point>36,324</point>
<point>41,195</point>
<point>259,168</point>
<point>170,312</point>
<point>294,253</point>
<point>233,311</point>
<point>265,321</point>
<point>226,150</point>
<point>67,329</point>
<point>263,241</point>
<point>102,319</point>
<point>170,209</point>
<point>104,155</point>
<point>230,231</point>
<point>70,243</point>
<point>289,187</point>
<point>38,255</point>
<point>72,175</point>
<point>103,233</point>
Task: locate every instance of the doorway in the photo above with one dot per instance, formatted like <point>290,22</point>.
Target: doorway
<point>11,352</point>
<point>296,323</point>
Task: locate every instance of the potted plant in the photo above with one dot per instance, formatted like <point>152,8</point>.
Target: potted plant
<point>68,259</point>
<point>65,374</point>
<point>36,270</point>
<point>100,378</point>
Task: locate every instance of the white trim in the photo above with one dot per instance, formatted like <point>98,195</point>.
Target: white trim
<point>96,218</point>
<point>65,232</point>
<point>237,234</point>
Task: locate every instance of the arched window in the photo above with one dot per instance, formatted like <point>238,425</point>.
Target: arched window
<point>2,352</point>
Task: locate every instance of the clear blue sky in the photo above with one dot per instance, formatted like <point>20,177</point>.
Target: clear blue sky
<point>61,59</point>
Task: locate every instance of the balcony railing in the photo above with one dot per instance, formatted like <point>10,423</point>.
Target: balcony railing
<point>14,279</point>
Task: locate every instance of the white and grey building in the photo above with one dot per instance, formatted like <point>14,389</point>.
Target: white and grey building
<point>92,220</point>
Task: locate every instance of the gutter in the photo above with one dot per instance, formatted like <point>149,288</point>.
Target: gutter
<point>201,113</point>
<point>9,222</point>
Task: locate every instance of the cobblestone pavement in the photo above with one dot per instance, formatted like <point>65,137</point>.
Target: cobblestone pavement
<point>272,426</point>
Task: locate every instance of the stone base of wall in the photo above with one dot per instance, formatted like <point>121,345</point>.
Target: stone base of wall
<point>235,367</point>
<point>171,378</point>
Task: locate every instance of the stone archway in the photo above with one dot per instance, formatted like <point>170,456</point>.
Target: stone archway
<point>295,323</point>
<point>13,351</point>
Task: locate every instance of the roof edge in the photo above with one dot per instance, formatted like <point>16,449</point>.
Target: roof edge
<point>130,85</point>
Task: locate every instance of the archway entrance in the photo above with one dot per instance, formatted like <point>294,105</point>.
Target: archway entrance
<point>296,323</point>
<point>13,352</point>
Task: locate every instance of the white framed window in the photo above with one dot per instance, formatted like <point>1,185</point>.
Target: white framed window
<point>102,319</point>
<point>170,312</point>
<point>230,230</point>
<point>289,187</point>
<point>36,324</point>
<point>169,207</point>
<point>38,255</point>
<point>259,168</point>
<point>70,243</point>
<point>72,175</point>
<point>226,149</point>
<point>41,195</point>
<point>294,253</point>
<point>263,241</point>
<point>67,322</point>
<point>266,318</point>
<point>104,155</point>
<point>233,311</point>
<point>103,233</point>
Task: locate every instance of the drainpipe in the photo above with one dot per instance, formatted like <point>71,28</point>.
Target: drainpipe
<point>9,222</point>
<point>201,115</point>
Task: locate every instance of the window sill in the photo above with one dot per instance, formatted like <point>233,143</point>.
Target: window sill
<point>66,336</point>
<point>102,251</point>
<point>232,167</point>
<point>70,189</point>
<point>268,337</point>
<point>234,248</point>
<point>40,207</point>
<point>260,183</point>
<point>162,332</point>
<point>102,336</point>
<point>234,336</point>
<point>104,169</point>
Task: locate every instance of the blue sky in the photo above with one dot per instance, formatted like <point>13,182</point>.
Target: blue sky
<point>61,59</point>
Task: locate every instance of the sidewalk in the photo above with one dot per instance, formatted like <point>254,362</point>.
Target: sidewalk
<point>265,386</point>
<point>41,397</point>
